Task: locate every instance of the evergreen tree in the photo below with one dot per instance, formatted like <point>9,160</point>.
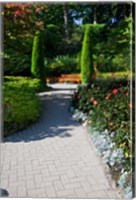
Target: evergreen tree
<point>86,56</point>
<point>37,62</point>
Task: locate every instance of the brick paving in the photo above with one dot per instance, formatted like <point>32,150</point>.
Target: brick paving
<point>54,157</point>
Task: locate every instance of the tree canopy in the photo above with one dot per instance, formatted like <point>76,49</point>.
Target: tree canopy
<point>63,29</point>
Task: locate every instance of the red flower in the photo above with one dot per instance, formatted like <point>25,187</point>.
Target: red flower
<point>108,96</point>
<point>95,102</point>
<point>130,105</point>
<point>78,97</point>
<point>127,94</point>
<point>17,13</point>
<point>115,91</point>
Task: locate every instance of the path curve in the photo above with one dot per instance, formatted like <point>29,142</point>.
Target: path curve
<point>54,157</point>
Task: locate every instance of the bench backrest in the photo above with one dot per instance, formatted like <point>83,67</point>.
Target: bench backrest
<point>71,76</point>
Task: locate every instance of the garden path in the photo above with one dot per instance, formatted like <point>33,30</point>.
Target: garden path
<point>55,156</point>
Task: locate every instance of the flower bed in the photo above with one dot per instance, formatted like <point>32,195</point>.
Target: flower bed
<point>105,107</point>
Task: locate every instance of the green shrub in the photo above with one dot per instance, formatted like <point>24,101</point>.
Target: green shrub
<point>86,56</point>
<point>121,62</point>
<point>37,66</point>
<point>62,65</point>
<point>118,63</point>
<point>19,99</point>
<point>25,83</point>
<point>115,75</point>
<point>17,63</point>
<point>52,40</point>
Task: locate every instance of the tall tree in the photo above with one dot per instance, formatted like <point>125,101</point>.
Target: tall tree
<point>86,56</point>
<point>107,13</point>
<point>37,66</point>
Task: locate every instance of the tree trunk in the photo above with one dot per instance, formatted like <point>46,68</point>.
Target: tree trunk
<point>66,21</point>
<point>94,15</point>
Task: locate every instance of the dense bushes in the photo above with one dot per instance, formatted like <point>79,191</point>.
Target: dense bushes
<point>17,63</point>
<point>37,66</point>
<point>62,65</point>
<point>116,63</point>
<point>25,83</point>
<point>105,106</point>
<point>115,56</point>
<point>21,105</point>
<point>86,56</point>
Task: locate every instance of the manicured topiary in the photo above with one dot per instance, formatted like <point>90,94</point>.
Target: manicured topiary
<point>37,62</point>
<point>86,56</point>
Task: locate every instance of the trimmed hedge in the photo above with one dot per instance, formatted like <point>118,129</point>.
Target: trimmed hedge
<point>25,83</point>
<point>19,99</point>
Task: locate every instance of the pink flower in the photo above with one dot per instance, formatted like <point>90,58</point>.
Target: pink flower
<point>29,11</point>
<point>115,91</point>
<point>78,97</point>
<point>127,94</point>
<point>130,105</point>
<point>95,102</point>
<point>38,10</point>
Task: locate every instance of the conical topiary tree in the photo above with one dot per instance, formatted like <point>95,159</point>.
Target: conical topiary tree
<point>87,69</point>
<point>37,61</point>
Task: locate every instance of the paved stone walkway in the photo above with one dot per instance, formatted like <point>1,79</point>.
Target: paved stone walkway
<point>54,157</point>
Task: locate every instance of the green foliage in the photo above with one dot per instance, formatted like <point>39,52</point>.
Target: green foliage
<point>74,44</point>
<point>62,65</point>
<point>19,100</point>
<point>86,56</point>
<point>107,55</point>
<point>52,40</point>
<point>16,63</point>
<point>24,83</point>
<point>123,74</point>
<point>102,13</point>
<point>115,56</point>
<point>37,66</point>
<point>90,50</point>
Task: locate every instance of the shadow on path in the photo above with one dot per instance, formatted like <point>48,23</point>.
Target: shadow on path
<point>3,193</point>
<point>56,120</point>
